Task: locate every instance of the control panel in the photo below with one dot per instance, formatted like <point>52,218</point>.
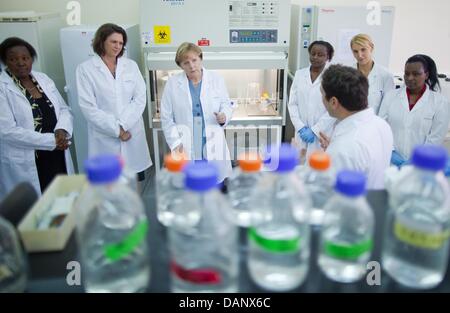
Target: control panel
<point>253,36</point>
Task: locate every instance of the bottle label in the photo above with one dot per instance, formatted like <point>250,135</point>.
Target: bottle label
<point>198,275</point>
<point>5,272</point>
<point>117,251</point>
<point>419,238</point>
<point>346,251</point>
<point>275,245</point>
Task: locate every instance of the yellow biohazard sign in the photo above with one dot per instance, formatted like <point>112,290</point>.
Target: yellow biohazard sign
<point>161,34</point>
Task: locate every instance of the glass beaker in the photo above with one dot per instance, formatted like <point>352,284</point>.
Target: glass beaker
<point>253,93</point>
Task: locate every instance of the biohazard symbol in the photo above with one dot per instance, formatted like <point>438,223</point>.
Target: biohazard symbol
<point>161,34</point>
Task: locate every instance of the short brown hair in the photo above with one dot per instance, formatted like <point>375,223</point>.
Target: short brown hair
<point>346,84</point>
<point>102,33</point>
<point>186,47</point>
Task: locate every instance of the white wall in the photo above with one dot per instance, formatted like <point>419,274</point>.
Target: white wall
<point>420,26</point>
<point>92,11</point>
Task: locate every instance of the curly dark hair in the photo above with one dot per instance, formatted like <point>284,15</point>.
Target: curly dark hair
<point>327,45</point>
<point>348,85</point>
<point>12,42</point>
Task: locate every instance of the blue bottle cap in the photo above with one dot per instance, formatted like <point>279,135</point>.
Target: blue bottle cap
<point>429,157</point>
<point>200,176</point>
<point>351,183</point>
<point>102,169</point>
<point>283,158</point>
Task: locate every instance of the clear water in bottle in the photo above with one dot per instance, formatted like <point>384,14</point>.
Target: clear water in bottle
<point>13,266</point>
<point>241,188</point>
<point>111,231</point>
<point>417,229</point>
<point>279,243</point>
<point>318,180</point>
<point>127,176</point>
<point>170,188</point>
<point>204,256</point>
<point>277,261</point>
<point>346,239</point>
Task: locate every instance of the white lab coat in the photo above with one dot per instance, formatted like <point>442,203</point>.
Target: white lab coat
<point>19,140</point>
<point>426,123</point>
<point>109,103</point>
<point>177,120</point>
<point>362,142</point>
<point>380,83</point>
<point>306,107</point>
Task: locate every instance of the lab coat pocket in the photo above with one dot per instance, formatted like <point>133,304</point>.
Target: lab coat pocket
<point>375,97</point>
<point>215,103</point>
<point>426,124</point>
<point>128,85</point>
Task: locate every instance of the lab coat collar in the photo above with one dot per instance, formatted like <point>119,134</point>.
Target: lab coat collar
<point>350,121</point>
<point>422,101</point>
<point>5,78</point>
<point>374,72</point>
<point>183,83</point>
<point>183,80</point>
<point>98,62</point>
<point>10,85</point>
<point>319,78</point>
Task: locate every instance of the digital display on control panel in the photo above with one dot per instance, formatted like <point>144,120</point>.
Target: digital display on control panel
<point>253,36</point>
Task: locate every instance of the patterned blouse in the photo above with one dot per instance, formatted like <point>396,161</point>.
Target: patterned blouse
<point>35,108</point>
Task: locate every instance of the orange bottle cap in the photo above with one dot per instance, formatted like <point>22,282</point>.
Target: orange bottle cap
<point>319,161</point>
<point>250,162</point>
<point>175,162</point>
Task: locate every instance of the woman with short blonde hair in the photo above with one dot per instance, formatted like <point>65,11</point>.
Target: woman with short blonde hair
<point>380,80</point>
<point>184,49</point>
<point>195,108</point>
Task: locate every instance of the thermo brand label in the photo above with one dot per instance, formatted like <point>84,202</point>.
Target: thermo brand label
<point>117,251</point>
<point>420,238</point>
<point>274,245</point>
<point>348,252</point>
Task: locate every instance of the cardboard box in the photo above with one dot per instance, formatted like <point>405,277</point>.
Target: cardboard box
<point>51,239</point>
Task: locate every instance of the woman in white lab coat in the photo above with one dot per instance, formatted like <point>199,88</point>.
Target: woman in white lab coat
<point>380,80</point>
<point>35,122</point>
<point>195,108</point>
<point>418,113</point>
<point>112,97</point>
<point>305,101</point>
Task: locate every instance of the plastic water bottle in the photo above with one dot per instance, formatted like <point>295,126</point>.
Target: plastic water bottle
<point>204,256</point>
<point>319,182</point>
<point>241,186</point>
<point>279,245</point>
<point>127,176</point>
<point>170,187</point>
<point>346,241</point>
<point>13,266</point>
<point>112,231</point>
<point>417,228</point>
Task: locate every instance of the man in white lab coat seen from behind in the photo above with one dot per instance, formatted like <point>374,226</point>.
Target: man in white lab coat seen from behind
<point>360,140</point>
